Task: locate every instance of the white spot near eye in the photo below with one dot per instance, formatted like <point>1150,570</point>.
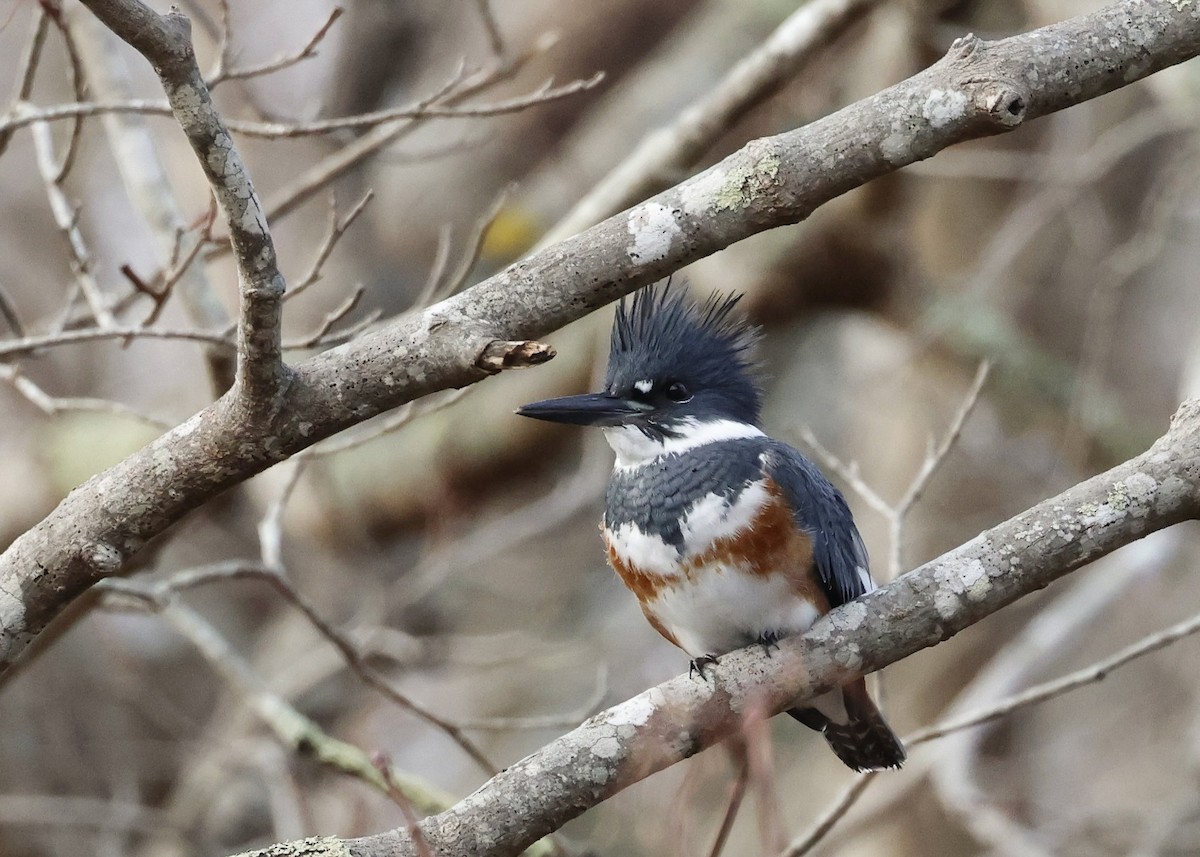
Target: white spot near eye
<point>643,386</point>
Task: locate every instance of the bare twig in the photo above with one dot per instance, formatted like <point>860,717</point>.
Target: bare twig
<point>543,721</point>
<point>756,737</point>
<point>77,78</point>
<point>66,217</point>
<point>294,729</point>
<point>385,425</point>
<point>672,149</point>
<point>52,405</point>
<point>544,94</point>
<point>443,282</point>
<point>165,41</point>
<point>330,338</point>
<point>270,528</point>
<point>179,269</point>
<point>331,318</point>
<point>337,228</point>
<point>8,311</point>
<point>27,71</point>
<point>349,651</point>
<point>144,178</point>
<point>457,88</point>
<point>223,71</point>
<point>896,514</point>
<point>1065,684</point>
<point>383,764</point>
<point>437,270</point>
<point>737,791</point>
<point>224,43</point>
<point>808,840</point>
<point>491,27</point>
<point>37,342</point>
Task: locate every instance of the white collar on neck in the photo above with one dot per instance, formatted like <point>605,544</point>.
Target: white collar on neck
<point>635,448</point>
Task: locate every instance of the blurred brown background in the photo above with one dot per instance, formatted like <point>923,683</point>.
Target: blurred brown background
<point>462,550</point>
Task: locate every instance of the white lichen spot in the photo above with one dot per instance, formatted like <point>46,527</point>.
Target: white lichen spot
<point>945,603</point>
<point>389,380</point>
<point>697,195</point>
<point>1139,490</point>
<point>1108,512</point>
<point>636,711</point>
<point>607,747</point>
<point>1180,5</point>
<point>975,580</point>
<point>896,148</point>
<point>305,429</point>
<point>943,106</point>
<point>652,228</point>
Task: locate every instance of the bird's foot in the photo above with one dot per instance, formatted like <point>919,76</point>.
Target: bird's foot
<point>768,640</point>
<point>698,665</point>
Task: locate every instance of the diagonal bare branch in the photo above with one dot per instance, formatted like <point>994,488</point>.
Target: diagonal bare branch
<point>165,41</point>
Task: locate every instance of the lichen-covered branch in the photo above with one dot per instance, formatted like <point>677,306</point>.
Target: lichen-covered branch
<point>165,40</point>
<point>681,717</point>
<point>979,88</point>
<point>673,148</point>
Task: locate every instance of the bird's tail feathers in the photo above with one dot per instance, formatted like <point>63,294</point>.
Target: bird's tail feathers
<point>865,742</point>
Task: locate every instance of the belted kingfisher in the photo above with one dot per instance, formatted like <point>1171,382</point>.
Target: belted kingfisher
<point>726,536</point>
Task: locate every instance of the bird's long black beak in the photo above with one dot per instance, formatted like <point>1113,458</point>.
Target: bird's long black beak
<point>589,409</point>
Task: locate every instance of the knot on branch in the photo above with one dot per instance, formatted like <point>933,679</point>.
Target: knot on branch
<point>1185,422</point>
<point>1006,106</point>
<point>178,28</point>
<point>104,558</point>
<point>964,46</point>
<point>499,355</point>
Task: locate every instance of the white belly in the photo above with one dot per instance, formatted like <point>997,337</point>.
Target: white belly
<point>721,609</point>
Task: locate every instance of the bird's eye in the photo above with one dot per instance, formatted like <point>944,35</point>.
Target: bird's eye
<point>678,392</point>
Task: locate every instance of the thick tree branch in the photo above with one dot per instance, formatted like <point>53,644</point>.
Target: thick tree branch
<point>979,88</point>
<point>681,717</point>
<point>165,40</point>
<point>668,151</point>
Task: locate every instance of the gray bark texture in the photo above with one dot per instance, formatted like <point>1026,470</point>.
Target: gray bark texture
<point>273,411</point>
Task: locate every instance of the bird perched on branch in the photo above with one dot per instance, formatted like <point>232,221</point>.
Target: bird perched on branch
<point>726,536</point>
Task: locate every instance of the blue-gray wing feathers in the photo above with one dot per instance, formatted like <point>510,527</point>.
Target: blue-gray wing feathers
<point>820,509</point>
